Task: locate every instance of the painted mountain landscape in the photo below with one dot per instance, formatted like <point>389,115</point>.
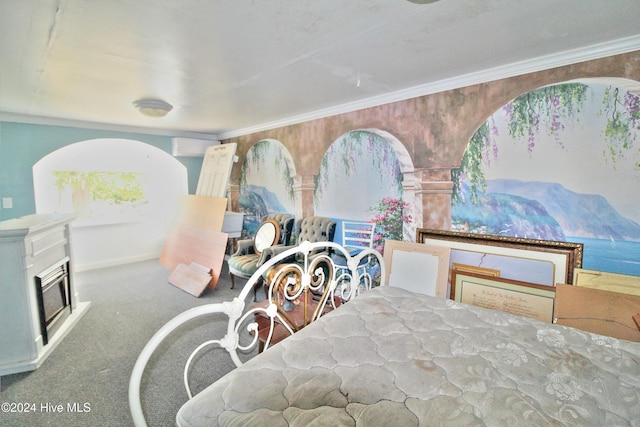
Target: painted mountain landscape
<point>549,211</point>
<point>540,210</point>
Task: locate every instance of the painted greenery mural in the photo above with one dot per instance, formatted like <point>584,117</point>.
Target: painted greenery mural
<point>623,120</point>
<point>93,192</point>
<point>361,162</point>
<point>267,153</point>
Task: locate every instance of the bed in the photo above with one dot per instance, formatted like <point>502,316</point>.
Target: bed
<point>389,356</point>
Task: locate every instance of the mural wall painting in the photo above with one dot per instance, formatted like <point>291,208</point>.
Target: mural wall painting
<point>266,184</point>
<point>552,161</point>
<point>559,163</point>
<point>360,178</point>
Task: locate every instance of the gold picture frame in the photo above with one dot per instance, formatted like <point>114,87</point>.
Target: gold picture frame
<point>562,257</point>
<point>523,299</point>
<point>466,268</point>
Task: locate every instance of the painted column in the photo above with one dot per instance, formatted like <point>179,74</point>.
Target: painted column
<point>433,193</point>
<point>303,190</point>
<point>415,209</point>
<point>233,198</point>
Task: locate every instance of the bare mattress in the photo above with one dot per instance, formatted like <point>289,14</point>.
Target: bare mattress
<point>394,358</point>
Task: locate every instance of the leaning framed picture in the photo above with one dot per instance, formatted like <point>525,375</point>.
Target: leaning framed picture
<point>496,293</point>
<point>540,262</point>
<point>416,267</point>
<point>614,282</point>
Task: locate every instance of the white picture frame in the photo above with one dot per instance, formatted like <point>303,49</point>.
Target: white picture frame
<point>417,267</point>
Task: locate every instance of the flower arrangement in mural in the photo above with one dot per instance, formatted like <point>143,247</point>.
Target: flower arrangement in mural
<point>389,220</point>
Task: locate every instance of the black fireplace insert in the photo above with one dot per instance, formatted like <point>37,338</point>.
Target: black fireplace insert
<point>53,289</point>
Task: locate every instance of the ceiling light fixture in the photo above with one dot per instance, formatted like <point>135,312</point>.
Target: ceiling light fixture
<point>153,107</point>
<point>422,1</point>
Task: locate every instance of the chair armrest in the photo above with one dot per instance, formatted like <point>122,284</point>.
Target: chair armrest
<point>270,252</point>
<point>245,247</point>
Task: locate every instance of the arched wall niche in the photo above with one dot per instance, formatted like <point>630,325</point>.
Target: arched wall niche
<point>124,193</point>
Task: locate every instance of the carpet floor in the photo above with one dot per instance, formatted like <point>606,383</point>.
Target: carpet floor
<point>88,373</point>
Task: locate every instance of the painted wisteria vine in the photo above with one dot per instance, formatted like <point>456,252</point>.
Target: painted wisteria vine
<point>357,145</point>
<point>257,158</point>
<point>469,175</point>
<point>549,109</point>
<point>622,111</point>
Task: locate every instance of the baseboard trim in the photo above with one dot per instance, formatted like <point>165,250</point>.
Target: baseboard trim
<point>115,262</point>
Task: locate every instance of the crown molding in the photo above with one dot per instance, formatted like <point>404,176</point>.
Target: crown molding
<point>52,121</point>
<point>586,53</point>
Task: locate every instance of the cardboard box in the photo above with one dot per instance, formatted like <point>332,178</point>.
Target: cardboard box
<point>595,310</point>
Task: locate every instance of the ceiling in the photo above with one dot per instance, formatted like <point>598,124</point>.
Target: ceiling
<point>234,66</point>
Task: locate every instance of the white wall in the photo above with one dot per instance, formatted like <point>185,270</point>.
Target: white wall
<point>106,235</point>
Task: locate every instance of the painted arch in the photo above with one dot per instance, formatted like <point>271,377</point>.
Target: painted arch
<point>561,162</point>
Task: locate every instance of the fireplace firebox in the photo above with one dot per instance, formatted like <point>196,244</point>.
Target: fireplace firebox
<point>53,291</point>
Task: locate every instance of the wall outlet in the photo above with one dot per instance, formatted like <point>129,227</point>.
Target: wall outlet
<point>7,202</point>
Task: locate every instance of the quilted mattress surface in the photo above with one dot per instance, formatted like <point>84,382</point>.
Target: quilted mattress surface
<point>395,358</point>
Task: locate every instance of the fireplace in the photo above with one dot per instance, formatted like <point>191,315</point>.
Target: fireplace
<point>37,289</point>
<point>53,292</point>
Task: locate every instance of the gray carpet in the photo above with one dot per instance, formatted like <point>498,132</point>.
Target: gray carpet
<point>92,365</point>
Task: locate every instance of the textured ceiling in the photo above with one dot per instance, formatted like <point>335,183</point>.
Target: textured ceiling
<point>233,65</point>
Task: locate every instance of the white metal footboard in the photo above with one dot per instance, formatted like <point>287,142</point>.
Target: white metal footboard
<point>288,283</point>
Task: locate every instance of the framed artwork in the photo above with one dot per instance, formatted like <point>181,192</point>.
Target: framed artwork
<point>520,298</point>
<point>416,267</point>
<point>614,282</point>
<point>540,262</point>
<point>532,270</point>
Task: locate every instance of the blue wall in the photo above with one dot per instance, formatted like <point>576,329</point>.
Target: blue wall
<point>22,145</point>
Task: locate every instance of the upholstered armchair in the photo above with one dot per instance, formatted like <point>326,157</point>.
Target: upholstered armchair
<point>315,229</point>
<point>312,229</point>
<point>250,256</point>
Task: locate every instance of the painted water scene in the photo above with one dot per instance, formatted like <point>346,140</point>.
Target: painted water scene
<point>559,163</point>
<point>266,184</point>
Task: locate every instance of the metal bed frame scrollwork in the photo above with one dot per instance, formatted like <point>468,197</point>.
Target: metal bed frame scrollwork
<point>304,275</point>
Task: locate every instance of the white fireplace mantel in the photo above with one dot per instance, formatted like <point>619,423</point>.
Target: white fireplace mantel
<point>28,246</point>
